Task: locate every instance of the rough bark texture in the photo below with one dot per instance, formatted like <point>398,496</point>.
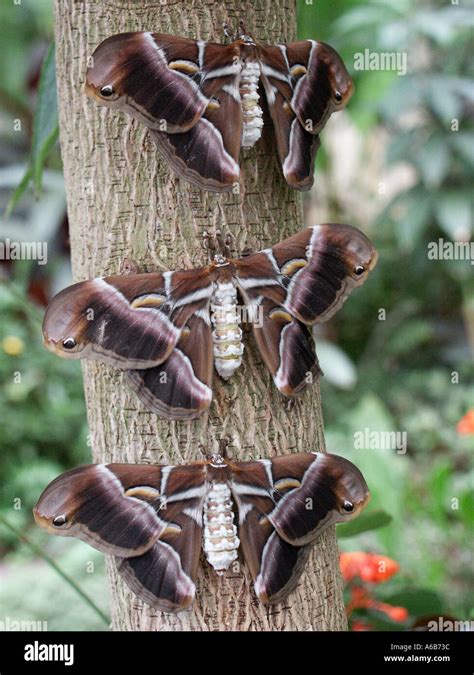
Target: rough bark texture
<point>123,201</point>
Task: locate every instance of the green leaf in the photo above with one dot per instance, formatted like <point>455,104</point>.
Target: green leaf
<point>463,142</point>
<point>418,601</point>
<point>54,565</point>
<point>436,25</point>
<point>365,522</point>
<point>45,130</point>
<point>336,365</point>
<point>433,160</point>
<point>467,509</point>
<point>453,213</point>
<point>360,18</point>
<point>19,190</point>
<point>446,107</point>
<point>45,127</point>
<point>415,217</point>
<point>412,335</point>
<point>404,89</point>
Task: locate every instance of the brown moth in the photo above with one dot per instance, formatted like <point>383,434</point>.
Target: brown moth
<point>202,101</point>
<point>156,519</point>
<point>168,329</point>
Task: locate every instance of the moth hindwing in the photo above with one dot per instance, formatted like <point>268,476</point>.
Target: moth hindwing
<point>167,330</point>
<point>204,101</point>
<point>156,519</point>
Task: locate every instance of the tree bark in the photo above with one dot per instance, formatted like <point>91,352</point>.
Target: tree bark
<point>123,201</point>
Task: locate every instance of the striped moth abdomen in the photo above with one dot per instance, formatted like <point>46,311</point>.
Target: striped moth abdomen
<point>227,334</point>
<point>220,541</point>
<point>251,111</point>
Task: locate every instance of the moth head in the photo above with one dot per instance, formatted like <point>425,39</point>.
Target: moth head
<point>355,251</point>
<point>66,322</point>
<point>341,93</point>
<point>107,69</point>
<point>58,505</point>
<point>341,83</point>
<point>352,493</point>
<point>247,39</point>
<point>362,263</point>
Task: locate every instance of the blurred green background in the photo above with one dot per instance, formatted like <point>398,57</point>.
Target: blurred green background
<point>398,357</point>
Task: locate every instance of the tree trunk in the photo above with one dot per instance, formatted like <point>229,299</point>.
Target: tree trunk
<point>123,201</point>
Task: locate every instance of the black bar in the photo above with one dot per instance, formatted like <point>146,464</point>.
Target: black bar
<point>306,653</point>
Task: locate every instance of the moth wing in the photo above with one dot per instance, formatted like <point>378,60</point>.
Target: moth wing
<point>274,564</point>
<point>311,274</point>
<point>180,388</point>
<point>131,321</point>
<point>310,491</point>
<point>159,578</point>
<point>164,576</point>
<point>149,517</point>
<point>301,82</point>
<point>297,148</point>
<point>284,504</point>
<point>206,155</point>
<point>185,92</point>
<point>154,77</point>
<point>286,347</point>
<point>96,508</point>
<point>311,78</point>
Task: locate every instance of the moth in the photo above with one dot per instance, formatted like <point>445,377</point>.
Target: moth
<point>167,329</point>
<point>155,519</point>
<point>202,101</point>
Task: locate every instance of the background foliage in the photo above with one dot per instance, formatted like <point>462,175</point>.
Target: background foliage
<point>391,165</point>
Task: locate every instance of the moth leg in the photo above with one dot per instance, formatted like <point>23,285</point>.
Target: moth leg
<point>224,243</point>
<point>227,30</point>
<point>290,404</point>
<point>215,243</point>
<point>209,243</point>
<point>242,28</point>
<point>224,443</point>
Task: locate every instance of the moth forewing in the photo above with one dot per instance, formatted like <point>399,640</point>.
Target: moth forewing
<point>332,490</point>
<point>71,506</point>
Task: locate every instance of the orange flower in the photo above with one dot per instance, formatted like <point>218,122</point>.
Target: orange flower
<point>466,423</point>
<point>361,626</point>
<point>369,567</point>
<point>362,599</point>
<point>359,569</point>
<point>394,613</point>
